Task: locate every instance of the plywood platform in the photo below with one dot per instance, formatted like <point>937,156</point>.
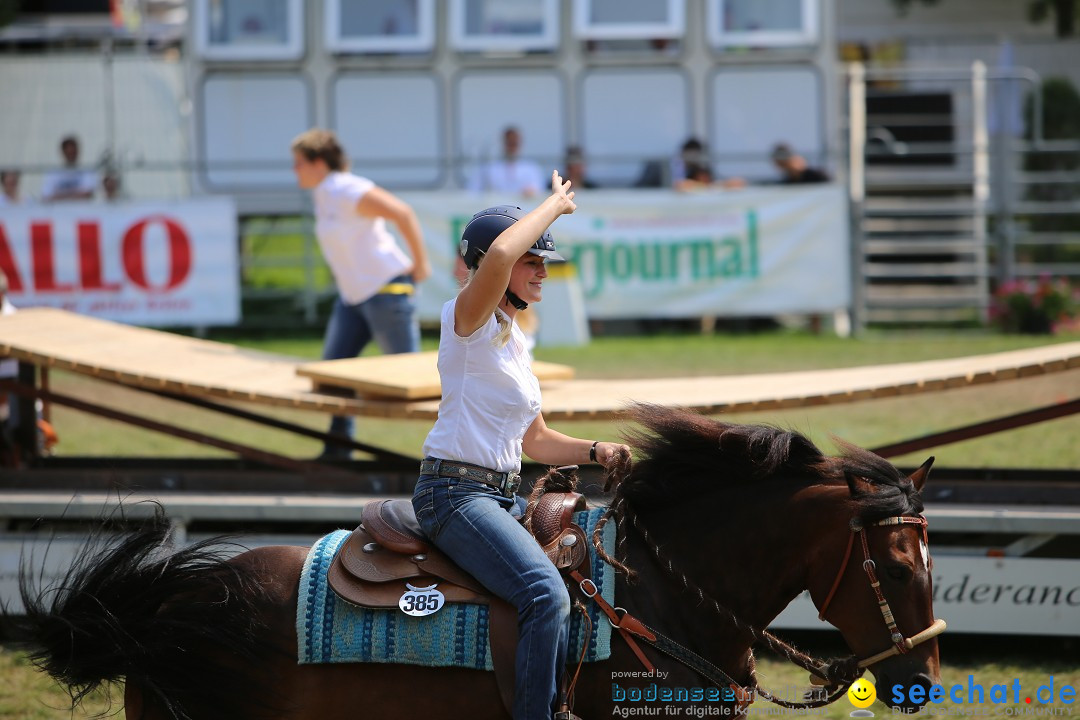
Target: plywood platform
<point>588,399</point>
<point>201,368</point>
<point>159,360</point>
<point>401,377</point>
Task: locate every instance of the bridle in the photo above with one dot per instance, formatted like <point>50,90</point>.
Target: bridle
<point>837,675</point>
<point>900,644</point>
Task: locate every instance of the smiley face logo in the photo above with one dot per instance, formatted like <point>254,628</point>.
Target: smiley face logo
<point>861,693</point>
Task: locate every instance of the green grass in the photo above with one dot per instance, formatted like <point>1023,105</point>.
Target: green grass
<point>26,694</point>
<point>307,346</point>
<point>684,354</point>
<point>690,355</point>
<point>1048,445</point>
<point>987,669</point>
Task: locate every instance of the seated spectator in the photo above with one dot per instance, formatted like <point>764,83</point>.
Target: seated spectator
<point>698,173</point>
<point>511,174</point>
<point>575,168</point>
<point>793,167</point>
<point>9,187</point>
<point>71,182</point>
<point>690,169</point>
<point>653,175</point>
<point>111,187</point>
<point>691,156</point>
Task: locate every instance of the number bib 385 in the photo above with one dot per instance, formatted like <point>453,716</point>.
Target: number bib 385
<point>421,601</point>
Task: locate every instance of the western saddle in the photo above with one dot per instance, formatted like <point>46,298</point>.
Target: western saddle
<point>388,554</point>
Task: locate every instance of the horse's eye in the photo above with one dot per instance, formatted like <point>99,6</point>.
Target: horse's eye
<point>900,573</point>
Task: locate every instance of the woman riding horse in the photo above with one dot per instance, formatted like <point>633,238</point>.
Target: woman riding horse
<point>722,525</point>
<point>465,498</point>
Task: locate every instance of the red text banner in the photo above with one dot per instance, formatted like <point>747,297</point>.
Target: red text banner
<point>159,264</point>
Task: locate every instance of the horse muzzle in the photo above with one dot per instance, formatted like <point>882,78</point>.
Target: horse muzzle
<point>906,698</point>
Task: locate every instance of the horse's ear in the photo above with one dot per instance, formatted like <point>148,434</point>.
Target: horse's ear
<point>858,484</point>
<point>918,478</point>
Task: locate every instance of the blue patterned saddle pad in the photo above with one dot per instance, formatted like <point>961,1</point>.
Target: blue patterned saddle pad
<point>330,630</point>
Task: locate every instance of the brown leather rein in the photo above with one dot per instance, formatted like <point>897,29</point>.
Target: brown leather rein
<point>629,626</point>
<point>901,644</point>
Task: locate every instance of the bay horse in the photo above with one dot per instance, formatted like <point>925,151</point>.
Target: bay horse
<point>719,526</point>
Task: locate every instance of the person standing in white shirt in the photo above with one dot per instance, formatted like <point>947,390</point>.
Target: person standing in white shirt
<point>511,174</point>
<point>71,182</point>
<point>375,280</point>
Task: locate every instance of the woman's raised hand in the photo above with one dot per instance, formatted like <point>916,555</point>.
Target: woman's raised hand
<point>560,190</point>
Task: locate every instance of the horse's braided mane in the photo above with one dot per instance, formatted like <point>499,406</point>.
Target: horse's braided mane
<point>682,455</point>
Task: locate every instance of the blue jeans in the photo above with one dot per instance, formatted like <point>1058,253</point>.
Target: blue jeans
<point>389,319</point>
<point>478,528</point>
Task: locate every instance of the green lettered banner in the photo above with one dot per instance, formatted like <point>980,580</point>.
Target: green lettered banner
<point>639,253</point>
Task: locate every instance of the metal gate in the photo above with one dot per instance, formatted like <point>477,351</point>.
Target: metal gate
<point>950,196</point>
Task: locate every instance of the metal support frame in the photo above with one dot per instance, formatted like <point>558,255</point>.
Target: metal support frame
<point>981,181</point>
<point>25,432</point>
<point>1028,544</point>
<point>305,467</point>
<point>987,427</point>
<point>379,453</point>
<point>857,189</point>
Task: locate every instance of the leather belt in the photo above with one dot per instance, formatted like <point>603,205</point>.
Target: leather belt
<point>505,482</point>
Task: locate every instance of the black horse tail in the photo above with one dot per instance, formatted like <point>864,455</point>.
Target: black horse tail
<point>183,626</point>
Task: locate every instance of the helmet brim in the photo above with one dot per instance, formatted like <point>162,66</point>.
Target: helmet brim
<point>547,254</point>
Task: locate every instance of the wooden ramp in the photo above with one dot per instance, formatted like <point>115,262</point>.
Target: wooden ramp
<point>596,399</point>
<point>414,376</point>
<point>158,360</point>
<point>200,368</point>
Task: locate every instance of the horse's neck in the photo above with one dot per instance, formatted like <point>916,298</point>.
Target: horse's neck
<point>661,603</point>
<point>751,563</point>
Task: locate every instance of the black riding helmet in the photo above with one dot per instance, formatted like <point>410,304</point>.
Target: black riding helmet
<point>487,225</point>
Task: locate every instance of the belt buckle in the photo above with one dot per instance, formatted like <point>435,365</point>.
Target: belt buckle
<point>511,483</point>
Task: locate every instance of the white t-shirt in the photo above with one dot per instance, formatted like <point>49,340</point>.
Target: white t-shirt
<point>360,251</point>
<point>504,176</point>
<point>490,397</point>
<point>68,180</point>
